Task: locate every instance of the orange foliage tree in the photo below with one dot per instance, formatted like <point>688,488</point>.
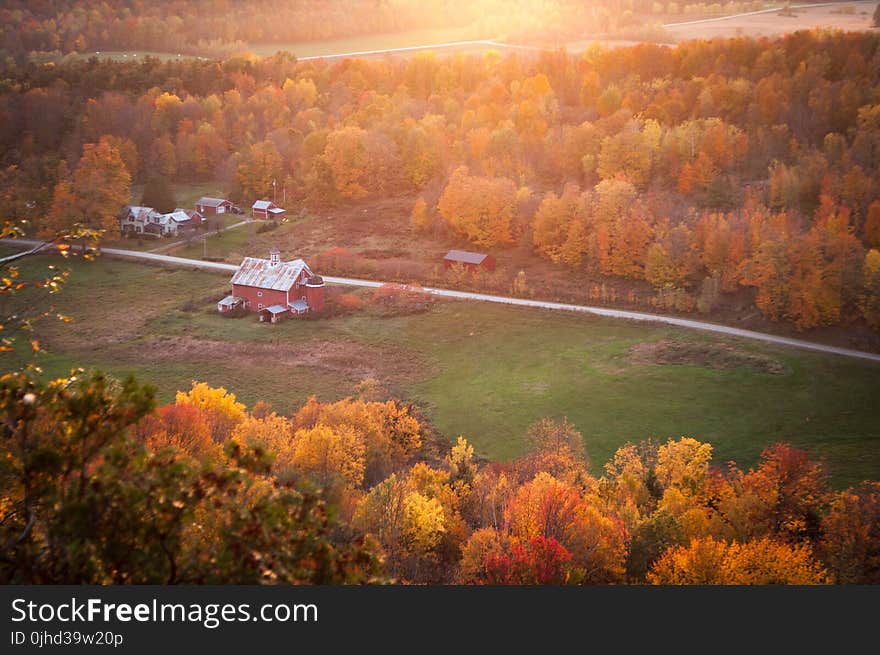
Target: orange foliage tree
<point>221,410</point>
<point>760,562</point>
<point>851,535</point>
<point>101,185</point>
<point>478,208</point>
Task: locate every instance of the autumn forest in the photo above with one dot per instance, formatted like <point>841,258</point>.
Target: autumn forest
<point>701,170</point>
<point>681,179</point>
<point>204,490</point>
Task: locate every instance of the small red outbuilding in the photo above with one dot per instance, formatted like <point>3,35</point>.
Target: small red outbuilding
<point>470,260</point>
<point>206,206</point>
<point>265,210</point>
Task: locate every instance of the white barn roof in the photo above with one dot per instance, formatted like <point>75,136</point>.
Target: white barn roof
<point>138,213</point>
<point>260,273</point>
<point>211,202</point>
<point>276,309</point>
<point>179,216</point>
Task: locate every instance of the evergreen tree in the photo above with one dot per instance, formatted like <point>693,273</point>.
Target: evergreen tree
<point>159,194</point>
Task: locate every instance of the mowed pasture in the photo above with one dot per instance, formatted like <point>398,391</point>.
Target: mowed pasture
<point>484,371</point>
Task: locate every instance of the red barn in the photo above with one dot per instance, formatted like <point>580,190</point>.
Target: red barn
<point>206,206</point>
<point>274,288</point>
<point>265,210</point>
<point>195,217</point>
<point>470,260</point>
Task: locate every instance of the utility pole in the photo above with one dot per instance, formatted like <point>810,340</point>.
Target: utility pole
<point>273,191</point>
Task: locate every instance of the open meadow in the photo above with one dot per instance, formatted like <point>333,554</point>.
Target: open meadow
<point>480,370</point>
<point>853,16</point>
<point>848,17</point>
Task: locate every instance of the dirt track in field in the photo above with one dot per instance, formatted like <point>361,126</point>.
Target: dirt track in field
<point>354,360</point>
<point>717,356</point>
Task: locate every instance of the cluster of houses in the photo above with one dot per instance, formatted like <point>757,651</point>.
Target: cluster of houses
<point>272,288</point>
<point>147,222</point>
<point>260,210</point>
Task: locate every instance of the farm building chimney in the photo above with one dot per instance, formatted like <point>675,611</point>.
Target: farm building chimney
<point>274,256</point>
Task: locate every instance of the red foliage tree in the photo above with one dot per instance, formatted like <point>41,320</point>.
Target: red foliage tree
<point>541,560</point>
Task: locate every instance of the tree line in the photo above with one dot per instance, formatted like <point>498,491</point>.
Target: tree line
<point>702,169</point>
<point>100,487</point>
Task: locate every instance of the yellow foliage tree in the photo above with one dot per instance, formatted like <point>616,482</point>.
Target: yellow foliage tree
<point>272,433</point>
<point>598,543</point>
<point>347,156</point>
<point>660,270</point>
<point>757,562</point>
<point>627,480</point>
<point>490,494</point>
<point>421,220</point>
<point>100,187</point>
<point>329,456</point>
<point>258,167</point>
<point>300,94</point>
<point>222,411</point>
<point>390,434</point>
<point>553,220</point>
<point>381,513</point>
<point>168,109</point>
<point>683,464</point>
<point>575,245</point>
<point>628,153</point>
<point>479,208</point>
<point>423,522</point>
<point>460,461</point>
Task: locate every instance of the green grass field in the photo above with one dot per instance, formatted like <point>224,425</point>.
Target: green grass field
<point>232,244</point>
<point>484,371</point>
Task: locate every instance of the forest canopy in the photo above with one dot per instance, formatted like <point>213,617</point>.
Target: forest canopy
<point>700,169</point>
<point>98,487</point>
